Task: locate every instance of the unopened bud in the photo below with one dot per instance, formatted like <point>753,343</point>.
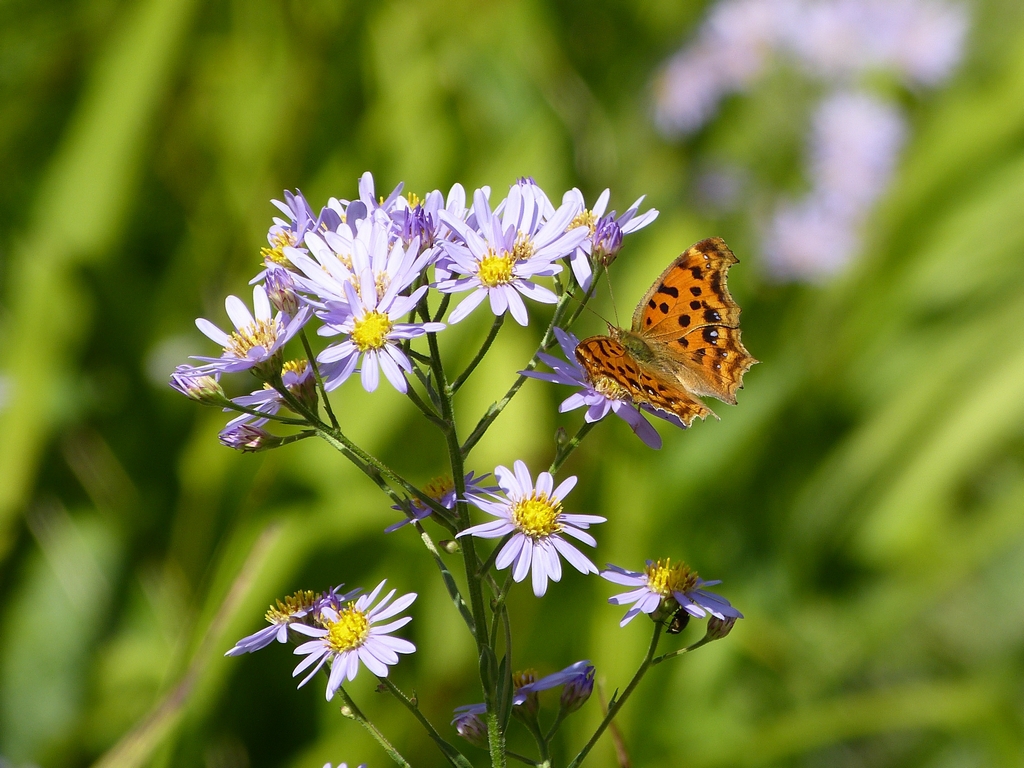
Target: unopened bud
<point>248,439</point>
<point>607,240</point>
<point>198,386</point>
<point>561,437</point>
<point>297,376</point>
<point>472,729</point>
<point>577,690</point>
<point>451,546</point>
<point>281,290</point>
<point>719,628</point>
<point>346,711</point>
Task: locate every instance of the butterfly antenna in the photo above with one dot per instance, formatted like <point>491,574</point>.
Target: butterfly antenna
<point>588,308</point>
<point>611,295</point>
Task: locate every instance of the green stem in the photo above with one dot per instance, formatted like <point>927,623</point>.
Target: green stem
<point>319,381</point>
<point>566,450</point>
<point>448,579</point>
<point>425,409</point>
<point>616,705</point>
<point>672,654</point>
<point>453,755</point>
<point>495,410</point>
<point>273,417</point>
<point>492,334</point>
<point>522,758</point>
<point>351,711</point>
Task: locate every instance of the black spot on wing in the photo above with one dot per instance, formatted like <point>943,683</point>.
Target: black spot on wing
<point>694,305</point>
<point>711,316</point>
<point>663,307</point>
<point>695,290</point>
<point>669,291</point>
<point>684,320</point>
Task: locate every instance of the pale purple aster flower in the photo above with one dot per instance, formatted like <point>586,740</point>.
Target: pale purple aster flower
<point>533,516</point>
<point>283,614</point>
<point>606,232</point>
<point>499,259</point>
<point>257,341</point>
<point>442,490</point>
<point>290,232</point>
<point>469,726</point>
<point>364,303</point>
<point>352,636</point>
<point>570,674</point>
<point>663,583</point>
<point>422,220</point>
<point>599,405</point>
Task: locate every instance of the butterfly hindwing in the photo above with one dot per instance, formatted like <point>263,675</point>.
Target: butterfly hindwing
<point>713,361</point>
<point>691,293</point>
<point>617,374</point>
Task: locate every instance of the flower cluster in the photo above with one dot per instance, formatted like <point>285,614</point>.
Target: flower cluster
<point>365,269</point>
<point>855,135</point>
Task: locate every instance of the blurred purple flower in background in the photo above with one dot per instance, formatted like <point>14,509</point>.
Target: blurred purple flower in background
<point>855,137</point>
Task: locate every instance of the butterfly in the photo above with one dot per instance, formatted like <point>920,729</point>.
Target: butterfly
<point>684,342</point>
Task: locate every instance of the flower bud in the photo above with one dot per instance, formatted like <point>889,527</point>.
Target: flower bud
<point>718,628</point>
<point>248,439</point>
<point>297,376</point>
<point>451,546</point>
<point>472,729</point>
<point>198,386</point>
<point>607,240</point>
<point>561,437</point>
<point>281,290</point>
<point>527,709</point>
<point>577,690</point>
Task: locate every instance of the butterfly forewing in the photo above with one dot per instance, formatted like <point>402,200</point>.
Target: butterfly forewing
<point>616,373</point>
<point>691,293</point>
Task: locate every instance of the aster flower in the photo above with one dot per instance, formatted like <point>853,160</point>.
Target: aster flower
<point>353,635</point>
<point>362,299</point>
<point>534,518</point>
<point>599,405</point>
<point>499,259</point>
<point>256,342</point>
<point>290,232</point>
<point>368,322</point>
<point>669,586</point>
<point>283,614</point>
<point>442,490</point>
<point>422,219</point>
<point>606,232</point>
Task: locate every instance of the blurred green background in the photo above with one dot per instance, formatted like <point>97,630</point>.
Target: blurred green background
<point>864,502</point>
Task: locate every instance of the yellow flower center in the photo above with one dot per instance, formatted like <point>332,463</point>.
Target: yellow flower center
<point>522,249</point>
<point>262,333</point>
<point>370,331</point>
<point>586,219</point>
<point>285,609</point>
<point>527,676</point>
<point>276,253</point>
<point>298,367</point>
<point>349,631</point>
<point>413,199</point>
<point>496,270</point>
<point>537,516</point>
<point>438,487</point>
<point>665,578</point>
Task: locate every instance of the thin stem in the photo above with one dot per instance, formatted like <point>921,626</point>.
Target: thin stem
<point>616,705</point>
<point>495,410</point>
<point>453,755</point>
<point>425,409</point>
<point>566,450</point>
<point>491,335</point>
<point>272,416</point>
<point>319,381</point>
<point>441,309</point>
<point>351,711</point>
<point>493,556</point>
<point>501,612</point>
<point>448,579</point>
<point>522,758</point>
<point>679,652</point>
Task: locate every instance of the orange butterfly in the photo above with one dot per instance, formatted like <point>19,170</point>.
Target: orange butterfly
<point>684,342</point>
